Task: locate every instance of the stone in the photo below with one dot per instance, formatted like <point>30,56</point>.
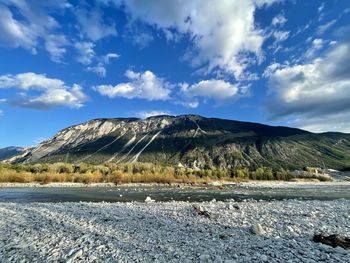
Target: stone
<point>332,240</point>
<point>264,258</point>
<point>149,200</point>
<point>258,230</point>
<point>204,259</point>
<point>74,256</point>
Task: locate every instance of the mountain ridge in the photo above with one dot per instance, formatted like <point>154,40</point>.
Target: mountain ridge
<point>10,151</point>
<point>192,141</point>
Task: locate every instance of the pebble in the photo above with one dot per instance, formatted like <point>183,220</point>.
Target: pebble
<point>205,259</point>
<point>264,258</point>
<point>149,200</point>
<point>258,230</point>
<point>74,256</point>
<point>172,232</point>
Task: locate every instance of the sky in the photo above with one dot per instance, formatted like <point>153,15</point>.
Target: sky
<point>278,62</point>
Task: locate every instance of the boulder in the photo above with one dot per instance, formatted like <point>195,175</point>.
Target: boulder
<point>332,240</point>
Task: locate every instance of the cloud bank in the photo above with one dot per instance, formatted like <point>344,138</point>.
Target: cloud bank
<point>52,92</point>
<point>314,95</point>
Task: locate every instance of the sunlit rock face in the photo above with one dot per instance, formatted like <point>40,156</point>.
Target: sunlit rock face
<point>193,141</point>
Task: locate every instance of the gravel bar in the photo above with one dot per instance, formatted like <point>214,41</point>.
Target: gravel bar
<point>252,231</point>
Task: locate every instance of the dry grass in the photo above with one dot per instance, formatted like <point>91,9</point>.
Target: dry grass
<point>129,173</point>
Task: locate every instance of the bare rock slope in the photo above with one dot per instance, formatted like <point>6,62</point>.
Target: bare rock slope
<point>192,141</point>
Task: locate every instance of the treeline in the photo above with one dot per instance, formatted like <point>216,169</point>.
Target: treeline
<point>130,173</point>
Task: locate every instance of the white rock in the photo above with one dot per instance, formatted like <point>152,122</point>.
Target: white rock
<point>74,256</point>
<point>258,230</point>
<point>149,200</point>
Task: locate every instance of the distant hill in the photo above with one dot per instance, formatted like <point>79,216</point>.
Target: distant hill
<point>192,141</point>
<point>9,152</point>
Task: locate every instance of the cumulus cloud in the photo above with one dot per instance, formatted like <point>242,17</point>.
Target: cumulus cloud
<point>226,44</point>
<point>85,52</point>
<point>314,90</point>
<point>147,114</point>
<point>56,46</point>
<point>335,122</point>
<point>144,85</point>
<point>92,24</point>
<point>218,90</point>
<point>52,92</point>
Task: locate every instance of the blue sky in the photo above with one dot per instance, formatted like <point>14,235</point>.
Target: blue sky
<point>280,62</point>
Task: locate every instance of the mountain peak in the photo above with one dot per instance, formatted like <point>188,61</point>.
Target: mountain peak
<point>191,140</point>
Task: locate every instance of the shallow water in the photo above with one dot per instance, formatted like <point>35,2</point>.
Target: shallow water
<point>197,194</point>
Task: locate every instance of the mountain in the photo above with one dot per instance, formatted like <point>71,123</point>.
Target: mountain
<point>9,152</point>
<point>191,141</point>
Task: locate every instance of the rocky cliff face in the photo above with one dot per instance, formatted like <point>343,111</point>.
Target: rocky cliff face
<point>192,141</point>
<point>9,152</point>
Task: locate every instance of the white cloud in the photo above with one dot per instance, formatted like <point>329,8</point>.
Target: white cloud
<point>100,68</point>
<point>146,85</point>
<point>279,20</point>
<point>142,39</point>
<point>53,92</point>
<point>107,58</point>
<point>214,89</point>
<point>30,24</point>
<point>317,44</point>
<point>13,33</point>
<point>147,114</point>
<point>218,90</point>
<point>138,34</point>
<point>56,46</point>
<point>39,140</point>
<point>323,28</point>
<point>223,44</point>
<point>72,97</point>
<point>311,91</point>
<point>335,122</point>
<point>92,24</point>
<point>35,24</point>
<point>280,36</point>
<point>86,52</point>
<point>143,85</point>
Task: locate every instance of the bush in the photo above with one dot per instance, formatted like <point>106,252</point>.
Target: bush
<point>139,173</point>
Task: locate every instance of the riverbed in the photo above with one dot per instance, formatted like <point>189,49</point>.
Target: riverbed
<point>172,231</point>
<point>158,223</point>
<point>128,193</point>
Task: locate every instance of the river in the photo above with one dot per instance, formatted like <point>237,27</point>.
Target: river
<point>158,193</point>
